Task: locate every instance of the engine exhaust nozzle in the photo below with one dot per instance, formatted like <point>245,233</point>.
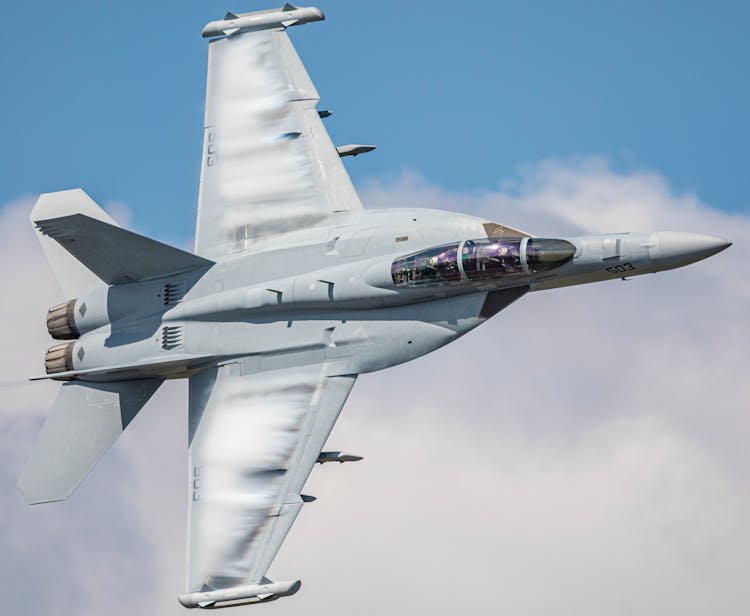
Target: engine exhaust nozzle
<point>61,323</point>
<point>59,358</point>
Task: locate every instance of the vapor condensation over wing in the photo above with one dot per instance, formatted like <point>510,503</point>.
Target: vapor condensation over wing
<point>247,434</point>
<point>263,170</point>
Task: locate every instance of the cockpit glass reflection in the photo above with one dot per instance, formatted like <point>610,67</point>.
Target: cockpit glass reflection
<point>438,265</point>
<point>482,259</point>
<point>486,259</point>
<point>545,254</point>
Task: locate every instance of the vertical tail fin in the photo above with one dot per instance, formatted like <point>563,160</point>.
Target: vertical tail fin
<point>85,420</point>
<point>74,277</point>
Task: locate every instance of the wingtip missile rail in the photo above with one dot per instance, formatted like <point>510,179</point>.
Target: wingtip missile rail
<point>284,17</point>
<point>239,595</point>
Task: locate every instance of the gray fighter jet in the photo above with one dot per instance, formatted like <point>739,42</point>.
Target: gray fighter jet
<point>294,289</point>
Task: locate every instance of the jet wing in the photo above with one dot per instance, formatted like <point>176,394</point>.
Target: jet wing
<point>268,163</point>
<point>254,439</point>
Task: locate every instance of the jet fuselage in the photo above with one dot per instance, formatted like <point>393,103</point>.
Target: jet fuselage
<point>364,296</point>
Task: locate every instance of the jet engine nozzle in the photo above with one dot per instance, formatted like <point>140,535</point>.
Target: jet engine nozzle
<point>59,358</point>
<point>546,254</point>
<point>61,323</point>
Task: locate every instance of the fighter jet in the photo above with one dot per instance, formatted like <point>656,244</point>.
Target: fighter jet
<point>293,290</point>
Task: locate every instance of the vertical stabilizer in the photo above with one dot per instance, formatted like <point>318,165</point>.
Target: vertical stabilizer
<point>82,425</point>
<point>74,278</point>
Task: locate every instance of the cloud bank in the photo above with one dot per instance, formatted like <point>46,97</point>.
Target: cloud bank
<point>583,452</point>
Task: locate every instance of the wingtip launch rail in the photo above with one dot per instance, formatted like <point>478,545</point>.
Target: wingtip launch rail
<point>240,595</point>
<point>284,17</point>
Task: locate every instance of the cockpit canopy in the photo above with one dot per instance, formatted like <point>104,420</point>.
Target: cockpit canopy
<point>482,259</point>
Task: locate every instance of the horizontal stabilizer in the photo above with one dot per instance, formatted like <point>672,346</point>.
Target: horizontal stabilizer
<point>174,366</point>
<point>85,420</point>
<point>74,278</point>
<point>115,255</point>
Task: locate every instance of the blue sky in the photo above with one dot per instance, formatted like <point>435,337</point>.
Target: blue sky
<point>108,96</point>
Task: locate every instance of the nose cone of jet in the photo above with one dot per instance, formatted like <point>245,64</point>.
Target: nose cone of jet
<point>670,249</point>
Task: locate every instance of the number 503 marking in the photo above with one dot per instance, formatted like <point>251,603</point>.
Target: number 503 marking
<point>620,269</point>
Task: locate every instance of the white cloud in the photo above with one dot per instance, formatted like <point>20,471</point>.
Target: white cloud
<point>583,452</point>
<point>120,212</point>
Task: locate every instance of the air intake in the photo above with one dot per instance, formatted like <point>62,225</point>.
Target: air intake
<point>61,323</point>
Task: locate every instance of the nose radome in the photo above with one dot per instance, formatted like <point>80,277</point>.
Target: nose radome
<point>675,249</point>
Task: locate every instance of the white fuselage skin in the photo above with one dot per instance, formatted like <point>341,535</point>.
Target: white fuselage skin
<point>332,288</point>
